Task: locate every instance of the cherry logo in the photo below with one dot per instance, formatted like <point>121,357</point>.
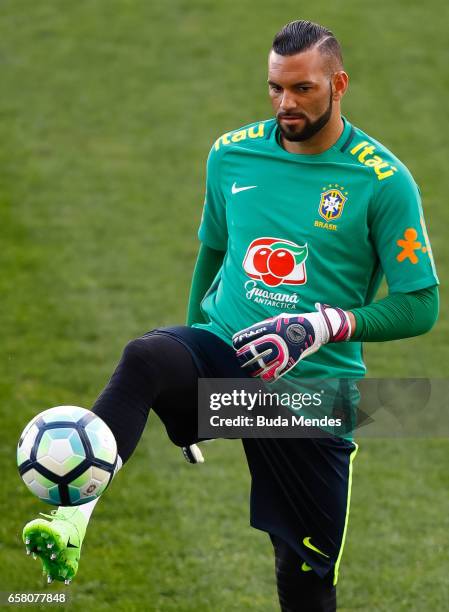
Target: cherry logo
<point>275,261</point>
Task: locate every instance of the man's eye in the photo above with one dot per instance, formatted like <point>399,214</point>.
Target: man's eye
<point>303,88</point>
<point>276,88</point>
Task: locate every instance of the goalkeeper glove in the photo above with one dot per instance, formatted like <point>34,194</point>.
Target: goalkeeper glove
<point>193,454</point>
<point>271,348</point>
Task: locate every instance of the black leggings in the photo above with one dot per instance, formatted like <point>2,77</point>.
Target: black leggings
<point>299,590</point>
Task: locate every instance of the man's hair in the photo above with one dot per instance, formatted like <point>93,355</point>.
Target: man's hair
<point>300,35</point>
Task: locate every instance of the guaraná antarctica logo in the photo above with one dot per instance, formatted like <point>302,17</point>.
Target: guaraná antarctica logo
<point>274,262</point>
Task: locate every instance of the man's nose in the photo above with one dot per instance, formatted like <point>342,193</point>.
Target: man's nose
<point>288,101</point>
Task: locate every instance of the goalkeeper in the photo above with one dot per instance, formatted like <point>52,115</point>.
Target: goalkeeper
<point>304,214</point>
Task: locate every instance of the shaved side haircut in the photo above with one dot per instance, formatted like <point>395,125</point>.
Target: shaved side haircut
<point>298,36</point>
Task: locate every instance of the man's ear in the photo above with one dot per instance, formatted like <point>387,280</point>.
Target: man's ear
<point>340,81</point>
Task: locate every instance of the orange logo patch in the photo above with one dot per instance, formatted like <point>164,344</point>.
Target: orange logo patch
<point>409,245</point>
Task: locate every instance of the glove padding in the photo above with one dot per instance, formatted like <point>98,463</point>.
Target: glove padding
<point>274,346</point>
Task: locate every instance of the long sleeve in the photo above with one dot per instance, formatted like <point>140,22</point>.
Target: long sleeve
<point>207,265</point>
<point>399,315</point>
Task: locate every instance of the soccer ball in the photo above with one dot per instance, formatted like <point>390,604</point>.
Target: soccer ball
<point>67,456</point>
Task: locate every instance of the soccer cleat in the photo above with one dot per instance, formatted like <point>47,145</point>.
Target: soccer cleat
<point>57,542</point>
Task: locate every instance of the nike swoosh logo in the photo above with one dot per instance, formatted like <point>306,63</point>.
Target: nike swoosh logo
<point>70,545</point>
<point>305,567</point>
<point>236,189</point>
<point>308,543</point>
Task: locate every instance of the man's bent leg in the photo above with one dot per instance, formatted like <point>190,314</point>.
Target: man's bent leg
<point>155,369</point>
<point>152,368</point>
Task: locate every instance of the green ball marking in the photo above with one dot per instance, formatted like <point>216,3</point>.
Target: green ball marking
<point>54,496</point>
<point>74,494</point>
<point>44,445</point>
<point>82,480</point>
<point>42,480</point>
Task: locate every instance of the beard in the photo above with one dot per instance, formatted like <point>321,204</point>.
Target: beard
<point>309,129</point>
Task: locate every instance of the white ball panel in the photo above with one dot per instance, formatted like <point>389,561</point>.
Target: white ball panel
<point>31,479</point>
<point>102,440</point>
<point>60,450</point>
<point>28,440</point>
<point>29,476</point>
<point>39,490</point>
<point>100,474</point>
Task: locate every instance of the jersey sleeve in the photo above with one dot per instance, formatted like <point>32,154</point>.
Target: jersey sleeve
<point>213,230</point>
<point>398,230</point>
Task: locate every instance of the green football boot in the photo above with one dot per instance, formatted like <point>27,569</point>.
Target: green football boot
<point>57,542</point>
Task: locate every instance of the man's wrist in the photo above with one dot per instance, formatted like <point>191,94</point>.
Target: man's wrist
<point>353,322</point>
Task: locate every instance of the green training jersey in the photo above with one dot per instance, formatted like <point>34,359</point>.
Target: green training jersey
<point>299,229</point>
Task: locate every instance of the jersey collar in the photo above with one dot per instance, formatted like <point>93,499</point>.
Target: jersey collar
<point>340,145</point>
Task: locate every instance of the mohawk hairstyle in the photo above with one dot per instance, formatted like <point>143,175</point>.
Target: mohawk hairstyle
<point>301,35</point>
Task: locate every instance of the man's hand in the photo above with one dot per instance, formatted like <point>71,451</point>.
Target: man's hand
<point>274,346</point>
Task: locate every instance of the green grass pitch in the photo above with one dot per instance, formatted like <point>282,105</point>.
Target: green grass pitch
<point>107,112</point>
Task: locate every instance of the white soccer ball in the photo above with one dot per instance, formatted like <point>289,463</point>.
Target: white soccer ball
<point>67,456</point>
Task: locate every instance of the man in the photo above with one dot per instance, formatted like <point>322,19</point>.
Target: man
<point>300,210</point>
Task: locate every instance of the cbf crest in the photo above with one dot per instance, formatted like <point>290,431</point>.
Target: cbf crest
<point>332,202</point>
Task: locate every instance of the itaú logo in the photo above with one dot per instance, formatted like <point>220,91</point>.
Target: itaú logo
<point>276,261</point>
